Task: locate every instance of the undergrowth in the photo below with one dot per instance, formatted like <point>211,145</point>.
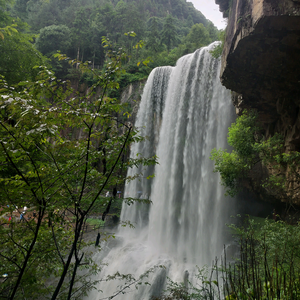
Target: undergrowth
<point>267,267</point>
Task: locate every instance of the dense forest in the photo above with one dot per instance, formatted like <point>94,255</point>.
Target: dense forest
<point>163,31</point>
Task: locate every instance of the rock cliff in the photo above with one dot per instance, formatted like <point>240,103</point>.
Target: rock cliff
<point>261,63</point>
<point>132,96</point>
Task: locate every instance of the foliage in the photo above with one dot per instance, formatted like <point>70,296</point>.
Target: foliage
<point>198,36</point>
<point>129,283</point>
<point>18,58</point>
<point>78,26</point>
<point>18,55</point>
<point>102,202</point>
<point>53,38</point>
<point>249,148</point>
<point>207,284</point>
<point>4,16</point>
<point>266,266</point>
<point>58,152</point>
<point>236,165</point>
<point>217,51</point>
<point>169,34</point>
<point>268,263</point>
<point>154,39</point>
<point>214,33</point>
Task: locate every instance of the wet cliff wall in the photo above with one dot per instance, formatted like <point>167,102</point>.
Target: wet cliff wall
<point>261,64</point>
<point>132,96</point>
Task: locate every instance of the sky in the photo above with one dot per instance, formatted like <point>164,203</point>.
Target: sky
<point>211,11</point>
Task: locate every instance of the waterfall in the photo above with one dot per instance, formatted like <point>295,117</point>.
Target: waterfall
<point>148,122</point>
<point>184,112</point>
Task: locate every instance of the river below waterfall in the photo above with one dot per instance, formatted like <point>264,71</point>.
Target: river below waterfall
<point>185,112</point>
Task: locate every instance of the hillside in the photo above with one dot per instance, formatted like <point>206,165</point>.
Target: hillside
<point>164,30</point>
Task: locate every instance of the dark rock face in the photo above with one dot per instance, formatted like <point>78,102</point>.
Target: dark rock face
<point>261,59</point>
<point>261,62</point>
<point>224,7</point>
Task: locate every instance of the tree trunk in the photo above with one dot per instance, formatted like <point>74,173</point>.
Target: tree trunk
<point>77,57</point>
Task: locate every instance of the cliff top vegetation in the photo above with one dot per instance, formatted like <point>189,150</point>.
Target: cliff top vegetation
<point>164,31</point>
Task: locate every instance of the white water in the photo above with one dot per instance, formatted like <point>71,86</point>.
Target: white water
<point>184,226</point>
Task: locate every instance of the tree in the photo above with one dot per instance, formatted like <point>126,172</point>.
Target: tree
<point>20,9</point>
<point>80,30</point>
<point>189,21</point>
<point>89,20</point>
<point>153,42</point>
<point>169,34</point>
<point>58,152</point>
<point>250,148</point>
<point>53,38</point>
<point>212,31</point>
<point>4,16</point>
<point>18,56</point>
<point>198,36</point>
<point>43,13</point>
<point>97,31</point>
<point>217,51</point>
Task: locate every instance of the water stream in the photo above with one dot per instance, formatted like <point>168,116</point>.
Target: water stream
<point>184,112</point>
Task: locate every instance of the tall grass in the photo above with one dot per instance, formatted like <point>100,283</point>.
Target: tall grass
<point>267,266</point>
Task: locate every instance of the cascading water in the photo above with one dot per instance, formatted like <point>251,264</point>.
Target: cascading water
<point>148,121</point>
<point>186,112</point>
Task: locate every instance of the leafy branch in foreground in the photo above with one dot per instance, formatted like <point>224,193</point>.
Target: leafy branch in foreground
<point>250,147</point>
<point>59,150</point>
<point>128,281</point>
